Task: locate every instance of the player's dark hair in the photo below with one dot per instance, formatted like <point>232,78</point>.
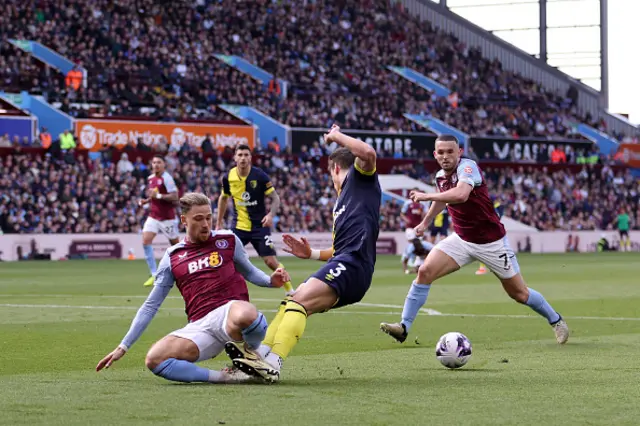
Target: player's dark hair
<point>242,147</point>
<point>342,157</point>
<point>160,157</point>
<point>419,249</point>
<point>447,138</point>
<point>190,199</point>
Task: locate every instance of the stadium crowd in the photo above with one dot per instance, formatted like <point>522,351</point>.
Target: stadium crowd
<point>143,60</point>
<point>80,195</point>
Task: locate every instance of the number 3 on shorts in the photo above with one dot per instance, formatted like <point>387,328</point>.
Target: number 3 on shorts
<point>268,241</point>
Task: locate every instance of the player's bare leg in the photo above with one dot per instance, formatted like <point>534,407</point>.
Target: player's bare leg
<point>273,264</point>
<point>312,297</point>
<point>437,265</point>
<point>517,289</point>
<point>147,240</point>
<point>247,327</point>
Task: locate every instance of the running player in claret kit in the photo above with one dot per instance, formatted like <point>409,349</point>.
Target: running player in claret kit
<point>346,276</point>
<point>412,213</point>
<point>415,252</point>
<point>248,185</point>
<point>479,235</point>
<point>162,194</point>
<point>209,268</point>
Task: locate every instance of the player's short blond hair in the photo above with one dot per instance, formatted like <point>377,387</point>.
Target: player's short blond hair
<point>190,199</point>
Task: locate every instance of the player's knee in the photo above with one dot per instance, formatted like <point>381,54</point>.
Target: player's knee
<point>153,360</point>
<point>426,273</point>
<point>241,315</point>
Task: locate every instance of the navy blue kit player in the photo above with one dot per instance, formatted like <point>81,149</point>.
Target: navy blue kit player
<point>346,276</point>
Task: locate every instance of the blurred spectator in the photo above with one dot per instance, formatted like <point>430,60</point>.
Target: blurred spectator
<point>66,140</point>
<point>44,195</point>
<point>142,60</point>
<point>124,165</point>
<point>45,138</point>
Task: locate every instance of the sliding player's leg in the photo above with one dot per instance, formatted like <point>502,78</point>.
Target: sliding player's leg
<point>449,255</point>
<point>340,282</point>
<point>502,261</point>
<point>269,338</point>
<point>174,356</point>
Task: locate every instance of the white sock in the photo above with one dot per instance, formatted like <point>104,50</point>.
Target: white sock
<point>263,350</point>
<point>217,376</point>
<point>274,360</point>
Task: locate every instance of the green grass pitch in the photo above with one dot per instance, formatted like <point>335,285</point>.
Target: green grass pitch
<point>57,319</point>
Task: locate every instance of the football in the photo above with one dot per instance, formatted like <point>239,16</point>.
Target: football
<point>453,350</point>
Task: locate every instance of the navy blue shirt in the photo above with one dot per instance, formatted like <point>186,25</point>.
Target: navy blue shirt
<point>356,215</point>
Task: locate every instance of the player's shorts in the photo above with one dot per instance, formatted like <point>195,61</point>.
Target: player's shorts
<point>168,228</point>
<point>208,333</point>
<point>348,275</point>
<point>623,233</point>
<point>438,230</point>
<point>260,239</point>
<point>498,255</point>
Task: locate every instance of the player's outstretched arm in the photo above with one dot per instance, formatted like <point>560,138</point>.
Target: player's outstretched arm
<point>171,196</point>
<point>275,206</point>
<point>456,195</point>
<point>222,202</point>
<point>435,209</point>
<point>222,210</point>
<point>302,249</point>
<point>162,286</point>
<point>365,154</point>
<point>255,275</point>
<point>172,190</point>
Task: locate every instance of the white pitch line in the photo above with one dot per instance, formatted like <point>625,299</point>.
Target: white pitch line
<point>137,296</point>
<point>131,308</point>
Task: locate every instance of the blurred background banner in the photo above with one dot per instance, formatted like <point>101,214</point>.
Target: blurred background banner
<point>533,150</point>
<point>22,127</point>
<point>397,144</point>
<point>93,135</point>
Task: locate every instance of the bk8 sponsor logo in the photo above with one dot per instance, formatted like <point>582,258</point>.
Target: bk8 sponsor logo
<point>213,260</point>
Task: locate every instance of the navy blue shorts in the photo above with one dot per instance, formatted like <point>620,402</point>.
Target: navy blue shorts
<point>438,230</point>
<point>348,275</point>
<point>260,239</point>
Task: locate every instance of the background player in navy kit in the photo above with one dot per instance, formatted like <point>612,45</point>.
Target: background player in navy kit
<point>346,276</point>
<point>247,186</point>
<point>479,235</point>
<point>209,269</point>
